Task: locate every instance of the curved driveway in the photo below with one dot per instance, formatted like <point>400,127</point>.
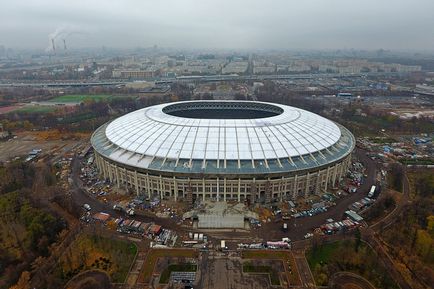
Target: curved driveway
<point>340,279</point>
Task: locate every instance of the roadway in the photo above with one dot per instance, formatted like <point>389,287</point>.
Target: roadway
<point>346,279</point>
<point>371,236</point>
<point>272,230</point>
<point>303,268</point>
<point>269,231</point>
<point>204,78</point>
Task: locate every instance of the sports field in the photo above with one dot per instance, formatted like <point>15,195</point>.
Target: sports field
<point>71,98</point>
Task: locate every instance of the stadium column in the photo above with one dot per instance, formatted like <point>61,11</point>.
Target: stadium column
<point>103,167</point>
<point>281,188</point>
<point>335,172</point>
<point>109,170</point>
<point>98,165</point>
<point>124,177</point>
<point>239,189</point>
<point>254,192</point>
<point>218,189</point>
<point>318,179</point>
<point>341,170</point>
<point>148,186</point>
<point>294,191</point>
<point>136,182</point>
<point>306,190</point>
<point>117,177</point>
<point>327,178</point>
<point>175,188</point>
<point>203,189</point>
<point>224,189</point>
<point>161,187</point>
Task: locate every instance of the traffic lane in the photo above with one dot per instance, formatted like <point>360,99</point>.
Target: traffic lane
<point>369,236</point>
<point>304,271</point>
<point>297,228</point>
<point>342,204</point>
<point>347,278</point>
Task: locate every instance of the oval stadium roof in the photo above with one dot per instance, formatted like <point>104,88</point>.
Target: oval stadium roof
<point>223,131</point>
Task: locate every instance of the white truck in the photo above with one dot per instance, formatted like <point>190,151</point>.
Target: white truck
<point>124,208</point>
<point>372,192</point>
<point>223,245</point>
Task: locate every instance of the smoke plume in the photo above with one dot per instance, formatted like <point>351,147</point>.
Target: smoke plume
<point>62,32</point>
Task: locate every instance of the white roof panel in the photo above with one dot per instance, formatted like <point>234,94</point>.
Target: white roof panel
<point>152,132</point>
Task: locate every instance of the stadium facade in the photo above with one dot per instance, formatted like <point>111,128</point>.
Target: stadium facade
<point>223,150</point>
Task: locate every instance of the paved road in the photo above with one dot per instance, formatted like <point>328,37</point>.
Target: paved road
<point>340,279</point>
<point>370,235</point>
<point>303,268</point>
<point>268,231</point>
<point>298,229</point>
<point>384,257</point>
<point>400,206</point>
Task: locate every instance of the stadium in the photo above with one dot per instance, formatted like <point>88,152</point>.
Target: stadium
<point>223,150</point>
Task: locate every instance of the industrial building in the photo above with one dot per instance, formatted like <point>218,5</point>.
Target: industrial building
<point>223,150</point>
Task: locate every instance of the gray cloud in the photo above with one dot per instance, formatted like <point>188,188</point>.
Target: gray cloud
<point>322,24</point>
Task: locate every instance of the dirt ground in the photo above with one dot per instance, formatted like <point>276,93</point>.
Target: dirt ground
<point>214,266</point>
<point>90,279</point>
<point>24,143</point>
<point>217,270</point>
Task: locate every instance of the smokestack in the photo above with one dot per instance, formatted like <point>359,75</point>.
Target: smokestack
<point>64,44</point>
<point>54,47</point>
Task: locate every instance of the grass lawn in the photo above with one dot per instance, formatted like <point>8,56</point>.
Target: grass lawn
<point>330,258</point>
<point>418,177</point>
<point>153,256</point>
<point>36,109</point>
<point>286,257</point>
<point>81,97</point>
<point>274,276</point>
<point>111,255</point>
<point>323,255</point>
<point>165,276</point>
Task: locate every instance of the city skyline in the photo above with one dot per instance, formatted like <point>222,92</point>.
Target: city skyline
<point>336,24</point>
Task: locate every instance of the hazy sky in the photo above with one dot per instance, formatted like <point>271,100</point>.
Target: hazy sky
<point>313,24</point>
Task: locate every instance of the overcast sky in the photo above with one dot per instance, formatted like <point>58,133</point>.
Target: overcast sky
<point>234,24</point>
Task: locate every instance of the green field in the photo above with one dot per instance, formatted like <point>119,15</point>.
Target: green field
<point>323,255</point>
<point>35,109</point>
<point>329,258</point>
<point>71,98</point>
<point>90,252</point>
